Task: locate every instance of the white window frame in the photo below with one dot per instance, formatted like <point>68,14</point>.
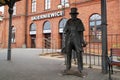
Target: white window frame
<point>13,40</point>
<point>63,2</point>
<point>33,5</point>
<point>95,31</point>
<point>47,4</point>
<point>14,9</point>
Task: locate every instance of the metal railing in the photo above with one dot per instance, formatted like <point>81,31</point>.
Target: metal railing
<point>92,52</point>
<point>49,46</point>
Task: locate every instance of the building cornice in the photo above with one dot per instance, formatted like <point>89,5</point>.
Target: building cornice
<point>88,2</point>
<point>15,16</point>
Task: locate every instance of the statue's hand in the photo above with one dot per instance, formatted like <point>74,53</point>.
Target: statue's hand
<point>63,50</point>
<point>84,44</point>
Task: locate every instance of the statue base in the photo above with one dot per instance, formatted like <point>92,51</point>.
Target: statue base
<point>75,73</point>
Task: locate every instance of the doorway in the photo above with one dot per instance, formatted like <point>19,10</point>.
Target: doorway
<point>47,40</point>
<point>33,41</point>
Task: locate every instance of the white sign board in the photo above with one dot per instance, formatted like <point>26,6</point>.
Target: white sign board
<point>49,15</point>
<point>32,32</point>
<point>46,31</point>
<point>61,30</point>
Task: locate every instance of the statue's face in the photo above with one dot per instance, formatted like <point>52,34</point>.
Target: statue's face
<point>74,15</point>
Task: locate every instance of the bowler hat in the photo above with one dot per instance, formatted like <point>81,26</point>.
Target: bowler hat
<point>74,11</point>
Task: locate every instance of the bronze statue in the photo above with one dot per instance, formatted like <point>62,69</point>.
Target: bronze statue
<point>74,40</point>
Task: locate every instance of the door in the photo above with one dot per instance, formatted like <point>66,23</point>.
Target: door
<point>33,42</point>
<point>47,41</point>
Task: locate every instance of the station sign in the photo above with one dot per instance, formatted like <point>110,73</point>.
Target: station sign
<point>48,15</point>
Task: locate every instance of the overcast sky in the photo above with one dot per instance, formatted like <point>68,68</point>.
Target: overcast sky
<point>2,9</point>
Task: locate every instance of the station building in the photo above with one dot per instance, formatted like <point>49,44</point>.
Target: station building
<point>40,23</point>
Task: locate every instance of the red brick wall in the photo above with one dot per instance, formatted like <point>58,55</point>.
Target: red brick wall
<point>85,9</point>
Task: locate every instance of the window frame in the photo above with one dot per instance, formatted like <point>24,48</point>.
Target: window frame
<point>47,4</point>
<point>13,38</point>
<point>63,2</point>
<point>95,29</point>
<point>62,24</point>
<point>33,6</point>
<point>14,9</point>
<point>46,27</point>
<point>33,27</point>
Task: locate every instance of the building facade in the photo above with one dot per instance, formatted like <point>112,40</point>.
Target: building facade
<point>40,23</point>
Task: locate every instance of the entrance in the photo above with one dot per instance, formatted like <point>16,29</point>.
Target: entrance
<point>33,35</point>
<point>47,40</point>
<point>33,41</point>
<point>62,40</point>
<point>61,27</point>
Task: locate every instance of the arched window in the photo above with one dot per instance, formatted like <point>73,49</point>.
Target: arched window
<point>33,29</point>
<point>33,5</point>
<point>95,28</point>
<point>13,34</point>
<point>46,27</point>
<point>62,25</point>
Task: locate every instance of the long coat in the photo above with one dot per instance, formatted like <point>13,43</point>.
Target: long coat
<point>74,34</point>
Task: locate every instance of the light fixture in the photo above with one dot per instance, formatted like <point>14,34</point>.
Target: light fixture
<point>66,5</point>
<point>60,6</point>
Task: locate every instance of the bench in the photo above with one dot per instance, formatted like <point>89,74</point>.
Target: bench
<point>112,61</point>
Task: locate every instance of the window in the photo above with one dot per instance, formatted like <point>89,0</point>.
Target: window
<point>13,34</point>
<point>47,4</point>
<point>64,2</point>
<point>33,5</point>
<point>47,28</point>
<point>62,25</point>
<point>47,25</point>
<point>95,28</point>
<point>33,27</point>
<point>14,9</point>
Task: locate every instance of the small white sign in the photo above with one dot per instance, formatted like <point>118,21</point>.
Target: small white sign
<point>46,31</point>
<point>32,32</point>
<point>61,30</point>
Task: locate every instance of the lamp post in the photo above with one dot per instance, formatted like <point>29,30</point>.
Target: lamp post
<point>10,4</point>
<point>104,37</point>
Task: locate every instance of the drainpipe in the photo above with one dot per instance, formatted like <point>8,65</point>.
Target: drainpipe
<point>26,14</point>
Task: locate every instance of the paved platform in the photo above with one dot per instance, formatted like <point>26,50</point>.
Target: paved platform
<point>26,64</point>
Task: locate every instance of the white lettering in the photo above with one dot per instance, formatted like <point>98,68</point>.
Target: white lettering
<point>49,15</point>
<point>52,15</point>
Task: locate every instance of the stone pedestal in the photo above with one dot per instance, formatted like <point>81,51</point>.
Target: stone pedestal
<point>75,73</point>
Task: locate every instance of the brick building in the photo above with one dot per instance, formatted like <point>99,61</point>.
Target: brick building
<point>38,23</point>
<point>1,28</point>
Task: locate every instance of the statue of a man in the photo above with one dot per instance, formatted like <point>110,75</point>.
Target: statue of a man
<point>74,39</point>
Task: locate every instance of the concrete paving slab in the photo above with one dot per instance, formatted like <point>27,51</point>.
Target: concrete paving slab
<point>26,64</point>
